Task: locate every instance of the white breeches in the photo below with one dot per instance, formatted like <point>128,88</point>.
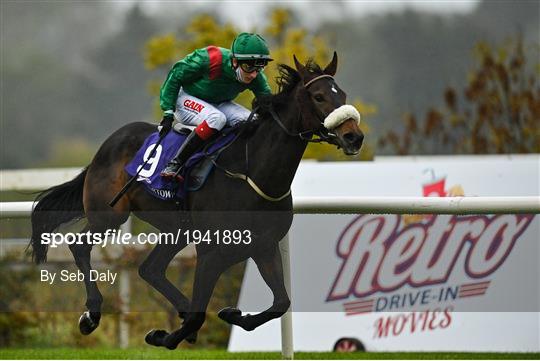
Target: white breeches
<point>193,111</point>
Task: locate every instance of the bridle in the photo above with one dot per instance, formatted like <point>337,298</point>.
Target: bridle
<point>317,78</point>
<point>322,133</point>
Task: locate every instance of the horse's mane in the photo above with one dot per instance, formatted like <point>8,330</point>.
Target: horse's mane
<point>287,80</point>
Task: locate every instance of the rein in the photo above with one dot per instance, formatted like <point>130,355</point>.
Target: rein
<point>305,135</point>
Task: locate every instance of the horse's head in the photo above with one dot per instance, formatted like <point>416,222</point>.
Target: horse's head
<point>324,109</point>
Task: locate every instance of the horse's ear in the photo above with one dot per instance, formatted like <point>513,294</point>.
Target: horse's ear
<point>332,67</point>
<point>301,68</point>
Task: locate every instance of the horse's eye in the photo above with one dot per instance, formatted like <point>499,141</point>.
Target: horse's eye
<point>319,98</point>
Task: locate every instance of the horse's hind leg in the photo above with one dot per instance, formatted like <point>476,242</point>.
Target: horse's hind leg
<point>271,269</point>
<point>89,320</point>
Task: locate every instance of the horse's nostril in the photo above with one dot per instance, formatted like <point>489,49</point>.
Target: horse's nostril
<point>349,137</point>
<point>354,139</point>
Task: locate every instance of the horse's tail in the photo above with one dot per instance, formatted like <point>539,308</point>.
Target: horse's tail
<point>55,206</point>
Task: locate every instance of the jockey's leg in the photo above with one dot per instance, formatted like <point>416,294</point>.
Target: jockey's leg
<point>208,119</point>
<point>234,113</point>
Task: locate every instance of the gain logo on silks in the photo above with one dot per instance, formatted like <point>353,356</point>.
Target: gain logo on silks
<point>398,263</point>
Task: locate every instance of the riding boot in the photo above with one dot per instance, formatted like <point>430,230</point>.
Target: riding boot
<point>192,143</point>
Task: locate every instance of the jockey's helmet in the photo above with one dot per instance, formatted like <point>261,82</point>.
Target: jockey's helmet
<point>252,48</point>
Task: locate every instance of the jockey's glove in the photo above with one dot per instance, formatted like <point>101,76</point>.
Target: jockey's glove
<point>166,124</point>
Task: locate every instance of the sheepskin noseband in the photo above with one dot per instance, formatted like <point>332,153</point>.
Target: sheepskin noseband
<point>341,114</point>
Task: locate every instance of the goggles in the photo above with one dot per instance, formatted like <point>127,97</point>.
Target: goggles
<point>253,65</point>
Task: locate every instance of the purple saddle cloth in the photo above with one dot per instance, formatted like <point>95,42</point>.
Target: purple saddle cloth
<point>195,171</point>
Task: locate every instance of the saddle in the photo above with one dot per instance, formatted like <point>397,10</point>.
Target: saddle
<point>195,171</point>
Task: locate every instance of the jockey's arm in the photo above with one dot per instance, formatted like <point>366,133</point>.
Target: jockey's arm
<point>185,71</point>
<point>260,86</point>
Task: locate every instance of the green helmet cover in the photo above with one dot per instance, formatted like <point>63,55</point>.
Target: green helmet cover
<point>248,46</point>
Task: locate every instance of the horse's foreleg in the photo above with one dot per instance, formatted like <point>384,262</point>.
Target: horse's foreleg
<point>152,270</point>
<point>271,269</point>
<point>89,320</point>
<point>209,268</point>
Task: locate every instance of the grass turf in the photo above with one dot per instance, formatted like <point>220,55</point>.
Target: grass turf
<point>89,354</point>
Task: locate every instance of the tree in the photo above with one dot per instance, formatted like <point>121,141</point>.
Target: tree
<point>498,112</point>
<point>44,51</point>
<point>122,96</point>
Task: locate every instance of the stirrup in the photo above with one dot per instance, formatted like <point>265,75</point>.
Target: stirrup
<point>170,175</point>
<point>177,176</point>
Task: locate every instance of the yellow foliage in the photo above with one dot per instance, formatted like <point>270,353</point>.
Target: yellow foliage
<point>502,55</point>
<point>204,30</point>
<point>279,20</point>
<point>320,49</point>
<point>481,49</point>
<point>328,152</point>
<point>72,152</point>
<point>364,108</point>
<point>161,50</point>
<point>154,86</point>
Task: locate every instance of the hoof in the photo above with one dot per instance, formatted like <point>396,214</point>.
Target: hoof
<point>230,315</point>
<point>169,342</point>
<point>192,338</point>
<point>87,324</point>
<point>156,337</point>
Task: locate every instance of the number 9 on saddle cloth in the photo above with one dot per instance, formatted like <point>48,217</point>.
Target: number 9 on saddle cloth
<point>195,171</point>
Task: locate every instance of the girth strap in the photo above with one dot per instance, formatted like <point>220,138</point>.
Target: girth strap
<point>255,187</point>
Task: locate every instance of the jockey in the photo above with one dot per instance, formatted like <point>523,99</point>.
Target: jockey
<point>200,88</point>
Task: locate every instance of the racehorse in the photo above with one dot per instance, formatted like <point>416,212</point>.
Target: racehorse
<point>308,107</point>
